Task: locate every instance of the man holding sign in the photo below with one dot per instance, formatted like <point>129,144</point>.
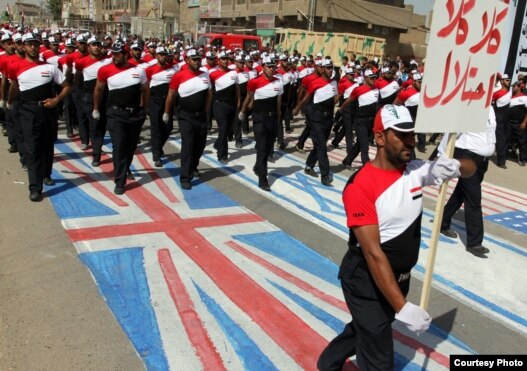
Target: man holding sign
<point>383,203</point>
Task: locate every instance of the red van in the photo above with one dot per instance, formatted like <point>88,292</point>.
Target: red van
<point>230,41</point>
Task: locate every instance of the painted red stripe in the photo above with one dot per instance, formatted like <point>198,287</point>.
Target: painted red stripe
<point>88,178</point>
<point>421,348</point>
<point>289,277</point>
<point>408,341</point>
<point>292,334</point>
<point>415,189</point>
<point>198,336</point>
<point>166,225</point>
<point>163,187</point>
<point>504,191</point>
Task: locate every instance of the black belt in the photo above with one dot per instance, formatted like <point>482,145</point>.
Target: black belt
<point>195,114</point>
<point>265,113</point>
<point>224,101</point>
<point>473,155</point>
<point>37,102</point>
<point>399,277</point>
<point>125,108</point>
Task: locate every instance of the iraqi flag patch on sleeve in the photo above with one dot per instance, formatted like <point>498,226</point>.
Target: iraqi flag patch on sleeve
<point>416,193</point>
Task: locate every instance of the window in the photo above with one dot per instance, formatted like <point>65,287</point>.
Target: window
<point>250,44</point>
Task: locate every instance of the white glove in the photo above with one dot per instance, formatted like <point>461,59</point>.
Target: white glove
<point>2,104</point>
<point>166,117</point>
<point>415,318</point>
<point>241,116</point>
<point>444,168</point>
<point>8,106</point>
<point>96,114</point>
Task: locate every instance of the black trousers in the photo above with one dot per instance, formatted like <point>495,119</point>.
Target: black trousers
<point>503,131</point>
<point>97,128</point>
<point>13,116</point>
<point>39,127</point>
<point>369,334</point>
<point>307,110</point>
<point>69,114</point>
<point>224,114</point>
<point>239,125</point>
<point>11,129</point>
<point>321,124</point>
<point>264,125</point>
<point>346,131</point>
<point>520,136</point>
<point>468,192</point>
<point>193,129</point>
<point>159,131</point>
<point>82,119</point>
<point>124,127</point>
<point>363,127</point>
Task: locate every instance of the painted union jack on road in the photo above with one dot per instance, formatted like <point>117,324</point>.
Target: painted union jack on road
<point>197,281</point>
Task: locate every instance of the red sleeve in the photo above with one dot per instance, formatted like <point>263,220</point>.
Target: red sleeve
<point>404,95</point>
<point>149,72</point>
<point>356,93</point>
<point>174,81</point>
<point>251,85</point>
<point>79,64</point>
<point>342,86</point>
<point>69,59</point>
<point>359,206</point>
<point>313,86</point>
<point>13,72</point>
<point>102,74</point>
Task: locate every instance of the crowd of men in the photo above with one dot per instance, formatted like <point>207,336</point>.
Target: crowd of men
<point>99,84</point>
<point>105,84</point>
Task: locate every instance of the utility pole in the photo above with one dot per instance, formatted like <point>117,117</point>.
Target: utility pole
<point>312,9</point>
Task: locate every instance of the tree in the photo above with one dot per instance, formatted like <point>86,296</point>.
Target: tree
<point>55,8</point>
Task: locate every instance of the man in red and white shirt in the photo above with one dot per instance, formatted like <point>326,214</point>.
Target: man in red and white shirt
<point>501,102</point>
<point>125,112</point>
<point>264,94</point>
<point>192,87</point>
<point>224,102</point>
<point>159,76</point>
<point>76,93</point>
<point>365,97</point>
<point>409,97</point>
<point>89,67</point>
<point>323,93</point>
<point>518,121</point>
<point>346,86</point>
<point>33,81</point>
<point>384,243</point>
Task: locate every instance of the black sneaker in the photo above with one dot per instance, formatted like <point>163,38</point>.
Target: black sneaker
<point>502,166</point>
<point>118,190</point>
<point>521,163</point>
<point>449,233</point>
<point>265,187</point>
<point>48,181</point>
<point>186,185</point>
<point>327,180</point>
<point>12,149</point>
<point>300,149</point>
<point>35,196</point>
<point>96,162</point>
<point>270,159</point>
<point>289,130</point>
<point>130,175</point>
<point>478,251</point>
<point>196,174</point>
<point>347,166</point>
<point>282,145</point>
<point>158,163</point>
<point>310,171</point>
<point>238,145</point>
<point>223,161</point>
